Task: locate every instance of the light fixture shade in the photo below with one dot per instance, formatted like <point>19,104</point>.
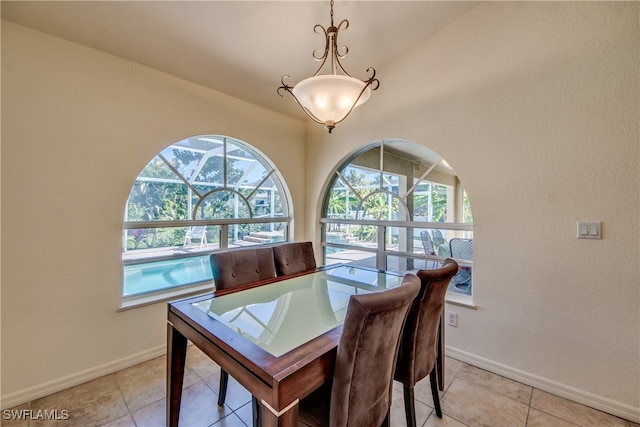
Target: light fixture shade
<point>331,97</point>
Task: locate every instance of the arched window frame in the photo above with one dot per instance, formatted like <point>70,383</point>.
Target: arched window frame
<point>243,189</point>
<point>392,242</point>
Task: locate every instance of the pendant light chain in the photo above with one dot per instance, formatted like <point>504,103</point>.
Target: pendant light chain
<point>331,13</point>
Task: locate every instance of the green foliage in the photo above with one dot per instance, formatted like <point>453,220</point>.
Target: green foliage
<point>157,201</point>
<point>163,188</point>
<point>438,202</point>
<point>466,208</point>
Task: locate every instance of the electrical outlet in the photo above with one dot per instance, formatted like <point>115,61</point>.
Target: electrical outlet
<point>452,318</point>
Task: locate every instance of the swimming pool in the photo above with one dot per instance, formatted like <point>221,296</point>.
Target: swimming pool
<point>159,275</point>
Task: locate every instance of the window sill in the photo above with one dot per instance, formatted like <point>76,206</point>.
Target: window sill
<point>460,300</point>
<point>136,301</point>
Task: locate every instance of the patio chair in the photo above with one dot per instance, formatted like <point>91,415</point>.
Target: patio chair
<point>438,238</point>
<point>359,393</point>
<point>195,236</point>
<point>462,249</point>
<point>429,249</point>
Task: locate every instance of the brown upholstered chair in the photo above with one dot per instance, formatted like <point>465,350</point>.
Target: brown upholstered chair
<point>235,268</point>
<point>419,344</point>
<point>293,258</point>
<point>360,392</point>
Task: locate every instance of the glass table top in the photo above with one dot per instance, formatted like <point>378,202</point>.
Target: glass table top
<point>283,315</point>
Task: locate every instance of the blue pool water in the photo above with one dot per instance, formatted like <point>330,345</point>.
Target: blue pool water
<point>159,275</point>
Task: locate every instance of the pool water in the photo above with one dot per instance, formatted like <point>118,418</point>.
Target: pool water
<point>160,275</point>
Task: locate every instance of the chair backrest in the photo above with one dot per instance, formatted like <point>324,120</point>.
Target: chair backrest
<point>427,244</point>
<point>292,258</point>
<point>418,346</point>
<point>461,248</point>
<point>438,238</point>
<point>238,267</point>
<point>366,356</point>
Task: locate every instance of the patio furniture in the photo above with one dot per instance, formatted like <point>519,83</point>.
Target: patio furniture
<point>462,249</point>
<point>438,238</point>
<point>195,236</point>
<point>429,248</point>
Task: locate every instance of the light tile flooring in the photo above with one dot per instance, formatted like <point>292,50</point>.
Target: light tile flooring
<point>134,397</point>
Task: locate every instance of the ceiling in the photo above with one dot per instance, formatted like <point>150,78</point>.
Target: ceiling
<point>241,48</point>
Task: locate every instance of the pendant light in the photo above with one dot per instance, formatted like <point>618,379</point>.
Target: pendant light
<point>329,98</point>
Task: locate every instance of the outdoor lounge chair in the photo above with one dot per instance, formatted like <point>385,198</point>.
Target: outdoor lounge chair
<point>195,236</point>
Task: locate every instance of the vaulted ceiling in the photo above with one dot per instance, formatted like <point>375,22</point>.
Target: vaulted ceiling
<point>241,48</point>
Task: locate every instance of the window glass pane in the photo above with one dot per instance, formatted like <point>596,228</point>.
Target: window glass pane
<point>468,217</point>
<point>168,241</point>
<point>262,201</point>
<point>360,180</point>
<point>186,162</point>
<point>243,169</point>
<point>146,277</point>
<point>384,206</point>
<point>350,256</point>
<point>223,204</point>
<point>157,201</point>
<point>241,235</point>
<point>404,264</point>
<point>462,282</point>
<point>342,203</point>
<point>430,202</point>
<point>157,168</point>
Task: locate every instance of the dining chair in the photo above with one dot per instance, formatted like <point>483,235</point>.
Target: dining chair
<point>420,338</point>
<point>293,258</point>
<point>235,268</point>
<point>360,391</point>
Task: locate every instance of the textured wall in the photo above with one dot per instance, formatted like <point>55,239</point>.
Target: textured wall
<point>535,106</point>
<point>77,127</point>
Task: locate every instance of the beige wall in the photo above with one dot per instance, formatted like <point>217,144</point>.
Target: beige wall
<point>535,106</point>
<point>77,127</point>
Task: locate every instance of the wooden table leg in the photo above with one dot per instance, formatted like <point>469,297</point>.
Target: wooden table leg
<point>176,355</point>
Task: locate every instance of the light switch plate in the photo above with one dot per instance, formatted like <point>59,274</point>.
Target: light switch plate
<point>589,230</point>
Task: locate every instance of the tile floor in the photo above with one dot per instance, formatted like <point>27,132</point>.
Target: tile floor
<point>134,397</point>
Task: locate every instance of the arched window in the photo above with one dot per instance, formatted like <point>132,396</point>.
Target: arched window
<point>396,205</point>
<point>196,196</point>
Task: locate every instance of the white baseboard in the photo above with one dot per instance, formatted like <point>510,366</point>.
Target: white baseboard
<point>601,403</point>
<point>54,386</point>
<point>621,410</point>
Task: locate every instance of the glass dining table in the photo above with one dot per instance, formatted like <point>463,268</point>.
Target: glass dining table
<point>277,338</point>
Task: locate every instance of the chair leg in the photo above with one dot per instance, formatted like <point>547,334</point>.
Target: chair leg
<point>255,409</point>
<point>222,391</point>
<point>409,406</point>
<point>434,391</point>
<point>387,419</point>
